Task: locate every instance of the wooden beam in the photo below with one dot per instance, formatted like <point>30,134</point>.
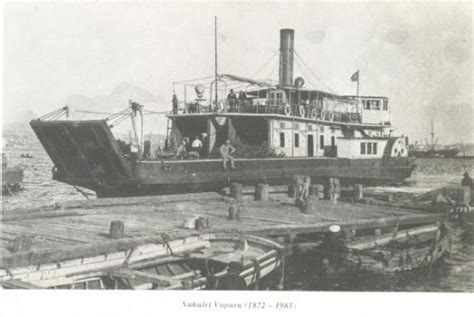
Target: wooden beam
<point>17,284</point>
<point>160,280</point>
<point>36,257</point>
<point>370,242</point>
<point>278,230</point>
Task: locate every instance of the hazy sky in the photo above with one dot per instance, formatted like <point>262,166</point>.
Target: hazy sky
<point>418,55</point>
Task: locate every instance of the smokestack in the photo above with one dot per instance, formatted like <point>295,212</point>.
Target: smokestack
<point>286,56</point>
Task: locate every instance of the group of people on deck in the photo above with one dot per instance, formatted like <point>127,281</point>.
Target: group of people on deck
<point>196,149</point>
<point>233,100</point>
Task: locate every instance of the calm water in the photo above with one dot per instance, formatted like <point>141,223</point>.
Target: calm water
<point>453,273</point>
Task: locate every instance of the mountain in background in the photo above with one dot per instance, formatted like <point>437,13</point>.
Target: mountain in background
<point>24,116</point>
<point>114,102</point>
<point>83,107</point>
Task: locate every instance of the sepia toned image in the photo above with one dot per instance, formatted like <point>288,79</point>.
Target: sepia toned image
<point>269,146</point>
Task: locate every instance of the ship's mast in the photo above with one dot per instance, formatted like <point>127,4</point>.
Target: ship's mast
<point>215,58</point>
<point>432,134</point>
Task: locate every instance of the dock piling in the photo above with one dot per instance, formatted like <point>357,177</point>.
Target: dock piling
<point>117,229</point>
<point>236,191</point>
<point>234,212</point>
<point>261,192</point>
<point>311,206</point>
<point>358,192</point>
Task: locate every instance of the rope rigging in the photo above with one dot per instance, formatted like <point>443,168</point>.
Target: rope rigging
<point>265,65</point>
<point>316,76</point>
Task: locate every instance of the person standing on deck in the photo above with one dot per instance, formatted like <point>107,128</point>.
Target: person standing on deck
<point>226,150</point>
<point>231,98</point>
<point>196,147</point>
<point>242,98</point>
<point>467,180</point>
<point>175,104</point>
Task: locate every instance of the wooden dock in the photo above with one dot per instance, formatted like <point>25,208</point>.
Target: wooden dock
<point>81,228</point>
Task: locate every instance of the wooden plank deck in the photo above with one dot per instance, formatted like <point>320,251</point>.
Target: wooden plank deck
<point>86,223</point>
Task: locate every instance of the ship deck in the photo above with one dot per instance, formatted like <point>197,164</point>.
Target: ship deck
<point>81,227</point>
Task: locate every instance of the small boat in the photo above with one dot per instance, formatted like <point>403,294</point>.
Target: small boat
<point>11,177</point>
<point>397,251</point>
<point>208,261</point>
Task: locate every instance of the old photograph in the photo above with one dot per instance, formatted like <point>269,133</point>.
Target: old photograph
<point>269,146</point>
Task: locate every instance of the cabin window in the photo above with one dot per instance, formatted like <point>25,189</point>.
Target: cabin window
<point>310,127</point>
<point>333,130</point>
<point>282,139</point>
<point>333,141</point>
<point>369,148</point>
<point>376,105</point>
<point>321,142</point>
<point>362,148</point>
<point>367,104</point>
<point>321,129</point>
<point>297,140</point>
<point>374,148</point>
<point>296,126</point>
<point>385,105</point>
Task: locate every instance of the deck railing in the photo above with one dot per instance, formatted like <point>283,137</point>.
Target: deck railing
<point>266,106</point>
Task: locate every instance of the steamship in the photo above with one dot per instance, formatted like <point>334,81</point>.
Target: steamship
<point>305,131</point>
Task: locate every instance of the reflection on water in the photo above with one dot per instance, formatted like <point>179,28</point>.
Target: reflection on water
<point>454,273</point>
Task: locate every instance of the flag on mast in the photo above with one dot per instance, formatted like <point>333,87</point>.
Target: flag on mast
<point>355,76</point>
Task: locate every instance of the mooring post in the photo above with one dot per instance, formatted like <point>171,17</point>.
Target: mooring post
<point>236,191</point>
<point>305,187</point>
<point>233,210</point>
<point>313,190</point>
<point>261,192</point>
<point>22,243</point>
<point>336,190</point>
<point>117,229</point>
<point>358,192</point>
<point>294,186</point>
<point>320,191</point>
<point>311,206</point>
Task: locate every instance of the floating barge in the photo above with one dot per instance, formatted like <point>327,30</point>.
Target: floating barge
<point>43,240</point>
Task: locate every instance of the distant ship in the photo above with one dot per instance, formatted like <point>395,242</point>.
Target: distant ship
<point>311,132</point>
<point>431,150</point>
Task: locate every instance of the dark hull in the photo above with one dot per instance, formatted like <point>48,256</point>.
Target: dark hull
<point>86,154</point>
<point>448,153</point>
<point>156,178</point>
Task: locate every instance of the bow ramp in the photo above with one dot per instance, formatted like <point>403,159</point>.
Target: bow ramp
<point>83,152</point>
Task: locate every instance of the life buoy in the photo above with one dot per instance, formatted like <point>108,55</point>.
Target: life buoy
<point>322,114</point>
<point>313,113</point>
<point>287,110</point>
<point>301,111</point>
<point>220,107</point>
<point>331,116</point>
